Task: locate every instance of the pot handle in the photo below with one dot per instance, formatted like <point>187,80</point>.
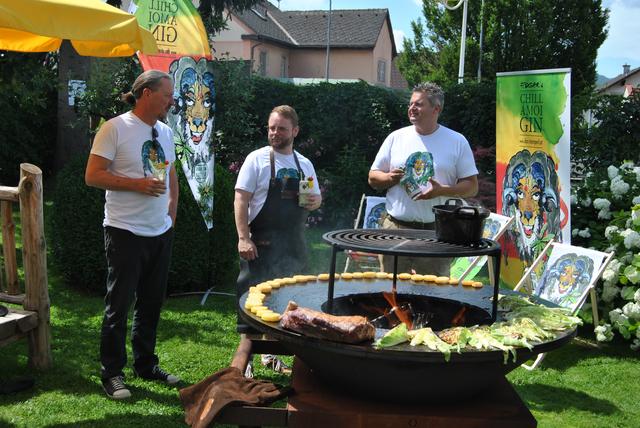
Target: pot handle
<point>465,211</point>
<point>457,202</point>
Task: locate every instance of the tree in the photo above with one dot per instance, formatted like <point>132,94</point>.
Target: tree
<point>213,14</point>
<point>518,35</point>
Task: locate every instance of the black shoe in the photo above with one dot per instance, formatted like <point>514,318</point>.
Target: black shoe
<point>115,388</point>
<point>156,373</point>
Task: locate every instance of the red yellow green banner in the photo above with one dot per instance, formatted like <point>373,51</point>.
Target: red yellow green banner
<point>532,164</point>
<point>175,24</point>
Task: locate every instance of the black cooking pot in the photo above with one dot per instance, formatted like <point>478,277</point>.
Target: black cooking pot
<point>459,224</point>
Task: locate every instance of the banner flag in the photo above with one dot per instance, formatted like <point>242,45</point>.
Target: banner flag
<point>185,51</point>
<point>175,24</point>
<point>532,164</point>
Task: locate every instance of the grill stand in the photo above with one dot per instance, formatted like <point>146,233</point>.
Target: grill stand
<point>315,405</point>
<point>421,243</point>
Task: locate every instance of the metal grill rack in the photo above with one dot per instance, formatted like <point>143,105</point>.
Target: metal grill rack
<point>407,242</point>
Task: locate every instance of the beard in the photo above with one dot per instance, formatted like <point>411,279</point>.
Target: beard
<point>280,143</point>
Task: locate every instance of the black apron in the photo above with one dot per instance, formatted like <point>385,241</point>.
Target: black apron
<point>278,233</point>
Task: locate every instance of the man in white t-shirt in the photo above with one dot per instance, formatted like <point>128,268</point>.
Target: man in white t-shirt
<point>270,211</point>
<point>421,166</point>
<point>132,158</point>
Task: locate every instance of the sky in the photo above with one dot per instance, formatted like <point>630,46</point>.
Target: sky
<point>621,47</point>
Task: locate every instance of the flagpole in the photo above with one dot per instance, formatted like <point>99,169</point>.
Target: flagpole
<point>326,73</point>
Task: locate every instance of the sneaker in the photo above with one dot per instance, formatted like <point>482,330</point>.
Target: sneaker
<point>156,373</point>
<point>275,364</point>
<point>115,388</point>
<point>248,372</point>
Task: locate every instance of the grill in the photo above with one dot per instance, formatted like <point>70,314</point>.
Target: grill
<point>397,243</point>
<point>404,242</point>
<point>402,373</point>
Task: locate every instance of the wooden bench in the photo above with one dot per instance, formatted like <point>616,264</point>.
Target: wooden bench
<point>32,321</point>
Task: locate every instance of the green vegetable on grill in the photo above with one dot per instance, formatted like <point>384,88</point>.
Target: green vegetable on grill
<point>395,336</point>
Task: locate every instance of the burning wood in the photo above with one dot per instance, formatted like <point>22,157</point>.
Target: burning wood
<point>403,313</point>
<point>459,318</point>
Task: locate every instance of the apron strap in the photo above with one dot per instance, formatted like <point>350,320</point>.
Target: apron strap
<point>300,171</point>
<point>272,162</point>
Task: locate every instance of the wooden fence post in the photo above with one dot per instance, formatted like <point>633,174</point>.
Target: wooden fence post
<point>9,247</point>
<point>34,255</point>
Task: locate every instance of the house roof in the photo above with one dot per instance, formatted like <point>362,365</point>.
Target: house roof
<point>352,28</point>
<point>619,79</point>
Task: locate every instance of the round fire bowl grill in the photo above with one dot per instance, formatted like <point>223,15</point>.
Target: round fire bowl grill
<point>401,373</point>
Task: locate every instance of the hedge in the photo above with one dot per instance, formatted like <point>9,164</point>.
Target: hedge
<point>200,259</point>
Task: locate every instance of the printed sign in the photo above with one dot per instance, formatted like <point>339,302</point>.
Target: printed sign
<point>532,164</point>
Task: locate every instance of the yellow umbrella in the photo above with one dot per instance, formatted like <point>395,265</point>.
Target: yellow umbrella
<point>94,28</point>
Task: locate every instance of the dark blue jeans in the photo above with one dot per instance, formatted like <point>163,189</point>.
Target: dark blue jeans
<point>137,267</point>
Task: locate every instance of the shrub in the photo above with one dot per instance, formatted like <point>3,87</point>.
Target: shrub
<point>470,109</point>
<point>606,216</point>
<point>77,238</point>
<point>200,259</point>
<point>28,125</point>
<point>617,125</point>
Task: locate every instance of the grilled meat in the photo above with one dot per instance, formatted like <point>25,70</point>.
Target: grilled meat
<point>347,329</point>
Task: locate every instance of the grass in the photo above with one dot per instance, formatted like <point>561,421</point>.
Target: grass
<point>580,385</point>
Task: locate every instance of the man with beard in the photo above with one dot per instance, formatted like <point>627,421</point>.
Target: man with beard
<point>269,219</point>
<point>132,158</point>
<point>421,166</point>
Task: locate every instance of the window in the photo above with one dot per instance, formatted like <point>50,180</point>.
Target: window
<point>382,71</point>
<point>262,66</point>
<point>283,67</point>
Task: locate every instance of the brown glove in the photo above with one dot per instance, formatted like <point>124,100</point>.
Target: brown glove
<point>203,401</point>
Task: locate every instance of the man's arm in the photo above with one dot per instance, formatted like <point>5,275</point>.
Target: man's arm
<point>464,188</point>
<point>381,180</point>
<point>246,248</point>
<point>97,175</point>
<point>174,192</point>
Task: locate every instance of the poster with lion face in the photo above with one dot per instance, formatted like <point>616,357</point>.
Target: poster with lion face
<point>532,164</point>
<point>566,278</point>
<point>192,122</point>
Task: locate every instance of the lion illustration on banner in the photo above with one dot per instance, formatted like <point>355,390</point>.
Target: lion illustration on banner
<point>193,113</point>
<point>565,282</point>
<point>531,194</point>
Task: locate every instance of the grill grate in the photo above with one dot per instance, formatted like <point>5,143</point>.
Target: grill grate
<point>405,242</point>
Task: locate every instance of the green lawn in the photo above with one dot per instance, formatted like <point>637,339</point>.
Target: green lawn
<point>579,385</point>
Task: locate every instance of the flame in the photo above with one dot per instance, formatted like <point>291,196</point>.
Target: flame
<point>403,315</point>
<point>458,318</point>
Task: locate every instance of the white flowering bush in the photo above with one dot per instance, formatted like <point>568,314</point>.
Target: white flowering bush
<point>606,216</point>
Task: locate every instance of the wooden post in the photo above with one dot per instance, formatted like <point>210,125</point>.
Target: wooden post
<point>9,247</point>
<point>34,252</point>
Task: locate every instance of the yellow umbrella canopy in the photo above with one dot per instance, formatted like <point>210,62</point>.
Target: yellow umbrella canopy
<point>94,28</point>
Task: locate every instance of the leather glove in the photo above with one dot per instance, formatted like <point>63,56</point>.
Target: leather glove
<point>204,401</point>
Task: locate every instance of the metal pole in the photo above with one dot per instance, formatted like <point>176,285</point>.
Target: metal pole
<point>463,40</point>
<point>326,73</point>
<point>463,43</point>
<point>481,37</point>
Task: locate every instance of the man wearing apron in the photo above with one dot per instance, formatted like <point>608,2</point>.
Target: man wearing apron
<point>270,221</point>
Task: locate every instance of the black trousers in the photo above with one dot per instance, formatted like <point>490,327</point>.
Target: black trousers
<point>137,267</point>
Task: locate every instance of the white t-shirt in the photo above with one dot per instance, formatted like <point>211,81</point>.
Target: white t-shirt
<point>126,141</point>
<point>255,174</point>
<point>445,153</point>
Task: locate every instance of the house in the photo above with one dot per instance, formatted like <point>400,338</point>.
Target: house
<point>623,84</point>
<point>293,44</point>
